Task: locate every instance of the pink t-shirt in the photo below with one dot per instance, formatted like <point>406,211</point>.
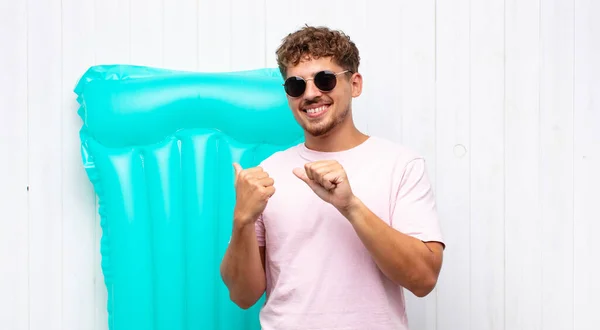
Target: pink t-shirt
<point>319,274</point>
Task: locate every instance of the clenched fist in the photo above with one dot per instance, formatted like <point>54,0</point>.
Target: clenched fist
<point>253,188</point>
<point>328,179</point>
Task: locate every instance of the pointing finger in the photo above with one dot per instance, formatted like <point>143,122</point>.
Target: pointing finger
<point>301,174</point>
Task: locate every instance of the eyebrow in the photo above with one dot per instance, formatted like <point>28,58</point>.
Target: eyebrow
<point>312,74</point>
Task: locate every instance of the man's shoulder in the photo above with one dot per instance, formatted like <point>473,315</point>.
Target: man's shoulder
<point>393,151</point>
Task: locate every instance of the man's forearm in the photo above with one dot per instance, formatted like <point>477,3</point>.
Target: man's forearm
<point>242,269</point>
<point>403,259</point>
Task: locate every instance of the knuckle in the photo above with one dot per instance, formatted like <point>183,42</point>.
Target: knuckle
<point>264,193</point>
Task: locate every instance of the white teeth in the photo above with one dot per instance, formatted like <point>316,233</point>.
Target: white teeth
<point>316,110</point>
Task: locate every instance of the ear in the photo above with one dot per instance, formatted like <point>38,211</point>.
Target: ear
<point>356,82</point>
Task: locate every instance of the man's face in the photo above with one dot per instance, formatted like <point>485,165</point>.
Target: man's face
<point>317,111</point>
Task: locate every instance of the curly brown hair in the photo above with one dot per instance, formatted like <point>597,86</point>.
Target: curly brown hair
<point>317,42</point>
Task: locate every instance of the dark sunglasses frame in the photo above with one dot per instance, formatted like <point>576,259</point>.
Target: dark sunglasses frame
<point>320,79</point>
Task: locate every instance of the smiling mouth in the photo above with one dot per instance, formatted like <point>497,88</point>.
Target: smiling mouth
<point>316,112</point>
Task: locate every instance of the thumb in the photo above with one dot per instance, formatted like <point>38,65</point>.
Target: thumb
<point>237,168</point>
<point>301,174</point>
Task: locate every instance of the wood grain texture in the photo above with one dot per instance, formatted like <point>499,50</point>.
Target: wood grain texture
<point>556,162</point>
<point>180,35</point>
<point>523,240</point>
<point>147,26</point>
<point>112,31</point>
<point>214,36</point>
<point>586,162</point>
<point>416,74</point>
<point>14,215</point>
<point>453,153</point>
<point>78,201</point>
<point>500,96</point>
<point>247,35</point>
<point>44,53</point>
<point>488,172</point>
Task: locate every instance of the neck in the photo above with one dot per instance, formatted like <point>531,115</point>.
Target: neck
<point>344,136</point>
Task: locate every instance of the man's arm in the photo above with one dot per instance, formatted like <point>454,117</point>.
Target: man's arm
<point>406,260</point>
<point>242,268</point>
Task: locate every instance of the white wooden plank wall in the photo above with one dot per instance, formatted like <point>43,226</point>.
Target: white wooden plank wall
<point>501,96</point>
<point>523,221</point>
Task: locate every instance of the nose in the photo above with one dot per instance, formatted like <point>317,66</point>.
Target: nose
<point>311,91</point>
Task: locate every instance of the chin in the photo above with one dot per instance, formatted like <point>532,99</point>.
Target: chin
<point>320,128</point>
<point>319,119</point>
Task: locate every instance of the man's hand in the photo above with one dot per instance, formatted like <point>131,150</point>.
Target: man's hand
<point>253,188</point>
<point>405,260</point>
<point>242,267</point>
<point>328,179</point>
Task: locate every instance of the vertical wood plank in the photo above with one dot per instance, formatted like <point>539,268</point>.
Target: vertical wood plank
<point>453,153</point>
<point>14,229</point>
<point>112,31</point>
<point>556,163</point>
<point>523,220</point>
<point>78,202</point>
<point>247,34</point>
<point>353,17</point>
<point>45,163</point>
<point>146,27</point>
<point>214,35</point>
<point>417,77</point>
<point>379,106</point>
<point>415,74</point>
<point>284,17</point>
<point>586,164</point>
<point>358,13</point>
<point>347,16</point>
<point>549,195</point>
<point>278,25</point>
<point>180,34</point>
<point>487,165</point>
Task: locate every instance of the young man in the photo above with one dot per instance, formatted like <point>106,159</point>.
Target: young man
<point>353,219</point>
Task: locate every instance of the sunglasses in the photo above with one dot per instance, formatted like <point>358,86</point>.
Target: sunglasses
<point>324,80</point>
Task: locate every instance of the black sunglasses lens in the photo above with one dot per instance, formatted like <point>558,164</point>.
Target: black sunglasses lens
<point>325,81</point>
<point>294,86</point>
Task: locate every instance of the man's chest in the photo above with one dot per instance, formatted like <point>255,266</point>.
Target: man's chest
<point>296,215</point>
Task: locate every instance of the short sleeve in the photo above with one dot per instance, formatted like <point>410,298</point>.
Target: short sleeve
<point>415,213</point>
<point>259,227</point>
